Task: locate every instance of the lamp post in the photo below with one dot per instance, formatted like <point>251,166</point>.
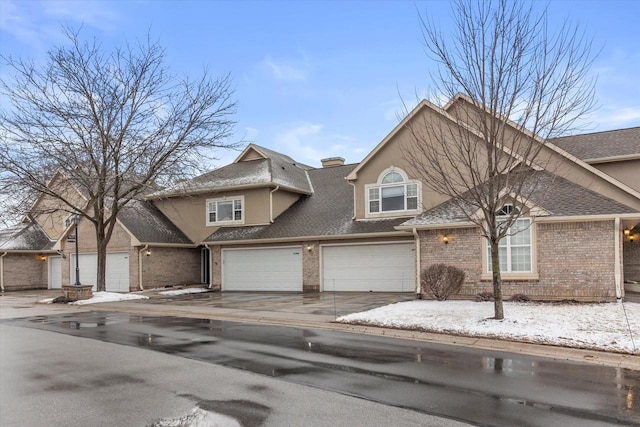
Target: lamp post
<point>76,220</point>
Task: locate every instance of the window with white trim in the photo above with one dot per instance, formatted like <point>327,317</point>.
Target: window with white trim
<point>393,193</point>
<point>228,210</point>
<point>514,249</point>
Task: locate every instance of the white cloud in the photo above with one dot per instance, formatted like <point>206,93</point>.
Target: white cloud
<point>250,134</point>
<point>287,71</point>
<point>309,143</point>
<point>617,117</point>
<point>38,23</point>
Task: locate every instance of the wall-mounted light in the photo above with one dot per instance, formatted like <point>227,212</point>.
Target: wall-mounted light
<point>445,239</point>
<point>148,252</point>
<point>627,232</point>
<point>309,248</point>
<point>43,257</point>
<point>631,238</point>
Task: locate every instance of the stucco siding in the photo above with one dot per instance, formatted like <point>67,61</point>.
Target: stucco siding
<point>189,213</point>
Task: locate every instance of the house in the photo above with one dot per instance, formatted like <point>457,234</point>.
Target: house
<point>269,223</point>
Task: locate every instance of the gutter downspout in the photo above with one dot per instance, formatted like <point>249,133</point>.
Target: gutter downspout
<point>206,245</point>
<point>270,205</point>
<point>417,239</point>
<point>617,273</point>
<point>140,266</point>
<point>354,200</point>
<point>2,271</point>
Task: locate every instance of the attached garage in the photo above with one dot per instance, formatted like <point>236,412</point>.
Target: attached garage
<point>388,267</point>
<point>262,269</point>
<point>117,274</point>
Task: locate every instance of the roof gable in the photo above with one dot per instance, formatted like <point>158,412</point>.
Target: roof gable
<point>255,167</point>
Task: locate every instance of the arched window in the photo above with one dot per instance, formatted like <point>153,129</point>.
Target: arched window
<point>393,193</point>
<point>392,177</point>
<point>514,248</point>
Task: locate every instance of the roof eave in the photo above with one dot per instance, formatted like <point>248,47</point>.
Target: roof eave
<point>228,188</point>
<point>306,238</point>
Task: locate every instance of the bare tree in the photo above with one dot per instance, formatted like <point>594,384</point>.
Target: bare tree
<point>514,84</point>
<point>112,125</point>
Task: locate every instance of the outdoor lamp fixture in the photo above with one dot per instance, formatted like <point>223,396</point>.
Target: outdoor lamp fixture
<point>76,220</point>
<point>309,248</point>
<point>445,239</point>
<point>148,252</point>
<point>627,232</point>
<point>43,257</point>
<point>631,238</point>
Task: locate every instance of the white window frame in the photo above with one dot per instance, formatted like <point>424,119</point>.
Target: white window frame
<point>379,186</point>
<point>508,274</point>
<point>231,199</point>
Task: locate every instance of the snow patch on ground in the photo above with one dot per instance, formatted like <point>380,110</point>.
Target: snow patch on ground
<point>99,297</point>
<point>592,326</point>
<point>184,291</point>
<point>200,418</point>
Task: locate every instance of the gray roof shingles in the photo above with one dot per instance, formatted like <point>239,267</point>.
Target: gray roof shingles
<point>620,142</point>
<point>328,212</point>
<point>149,225</point>
<point>24,237</point>
<point>556,195</point>
<point>278,169</point>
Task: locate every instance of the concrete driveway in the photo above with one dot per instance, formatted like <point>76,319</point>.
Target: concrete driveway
<point>317,304</point>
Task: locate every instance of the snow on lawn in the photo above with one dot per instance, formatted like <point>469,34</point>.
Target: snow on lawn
<point>108,297</point>
<point>593,326</point>
<point>185,291</point>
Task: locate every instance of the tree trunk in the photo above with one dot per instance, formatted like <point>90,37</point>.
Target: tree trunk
<point>101,244</point>
<point>497,281</point>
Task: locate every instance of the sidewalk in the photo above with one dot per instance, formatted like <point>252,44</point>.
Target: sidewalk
<point>23,304</point>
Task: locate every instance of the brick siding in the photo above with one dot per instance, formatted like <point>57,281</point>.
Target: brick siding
<point>311,266</point>
<point>574,260</point>
<point>170,266</point>
<point>24,271</point>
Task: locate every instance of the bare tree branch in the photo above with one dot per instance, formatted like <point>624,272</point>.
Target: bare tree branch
<point>513,85</point>
<point>112,124</point>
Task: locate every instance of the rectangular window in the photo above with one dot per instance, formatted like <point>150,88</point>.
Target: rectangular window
<point>374,200</point>
<point>225,211</point>
<point>514,249</point>
<point>393,198</point>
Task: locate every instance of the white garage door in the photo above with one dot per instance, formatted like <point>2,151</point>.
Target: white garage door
<point>388,267</point>
<point>117,275</point>
<point>55,272</point>
<point>269,269</point>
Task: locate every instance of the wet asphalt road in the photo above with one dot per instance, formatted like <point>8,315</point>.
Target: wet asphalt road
<point>480,387</point>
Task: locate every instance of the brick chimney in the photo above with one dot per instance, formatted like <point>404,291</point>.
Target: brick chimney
<point>332,161</point>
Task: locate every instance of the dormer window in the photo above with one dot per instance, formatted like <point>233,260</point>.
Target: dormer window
<point>394,194</point>
<point>228,210</point>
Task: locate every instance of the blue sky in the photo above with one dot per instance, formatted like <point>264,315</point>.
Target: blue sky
<point>317,79</point>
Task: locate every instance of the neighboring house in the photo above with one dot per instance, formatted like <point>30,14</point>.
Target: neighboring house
<point>268,223</point>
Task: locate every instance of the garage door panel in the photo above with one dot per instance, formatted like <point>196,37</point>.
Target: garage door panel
<point>55,272</point>
<point>375,268</point>
<point>116,276</point>
<point>272,269</point>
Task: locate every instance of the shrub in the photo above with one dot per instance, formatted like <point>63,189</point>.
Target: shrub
<point>519,298</point>
<point>441,280</point>
<point>485,296</point>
